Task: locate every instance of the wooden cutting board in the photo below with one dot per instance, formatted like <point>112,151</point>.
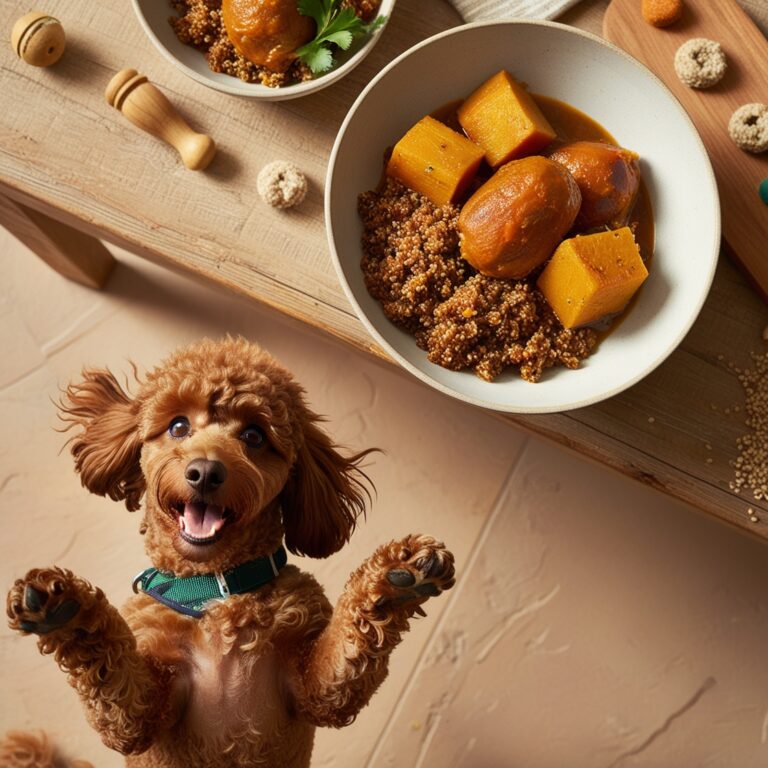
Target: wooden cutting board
<point>739,173</point>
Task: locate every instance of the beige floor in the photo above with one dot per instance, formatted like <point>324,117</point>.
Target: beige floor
<point>595,623</point>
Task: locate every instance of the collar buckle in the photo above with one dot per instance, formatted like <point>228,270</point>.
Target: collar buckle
<point>223,586</point>
<point>137,581</point>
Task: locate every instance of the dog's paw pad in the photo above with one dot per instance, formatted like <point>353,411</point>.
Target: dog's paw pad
<point>400,577</point>
<point>40,604</point>
<point>423,569</point>
<point>34,599</point>
<point>62,613</point>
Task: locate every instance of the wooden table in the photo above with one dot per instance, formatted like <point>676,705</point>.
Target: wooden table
<point>67,157</point>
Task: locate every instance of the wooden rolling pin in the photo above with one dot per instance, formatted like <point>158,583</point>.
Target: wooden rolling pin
<point>146,107</point>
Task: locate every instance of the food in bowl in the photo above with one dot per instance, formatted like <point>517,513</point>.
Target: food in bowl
<point>272,42</point>
<point>514,221</point>
<point>460,253</point>
<point>608,178</point>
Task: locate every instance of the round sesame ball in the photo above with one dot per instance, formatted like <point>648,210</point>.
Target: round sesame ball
<point>282,184</point>
<point>700,63</point>
<point>748,127</point>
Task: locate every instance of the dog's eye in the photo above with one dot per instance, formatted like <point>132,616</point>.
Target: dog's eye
<point>252,436</point>
<point>179,427</point>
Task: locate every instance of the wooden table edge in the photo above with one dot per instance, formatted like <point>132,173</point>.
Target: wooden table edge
<point>620,461</point>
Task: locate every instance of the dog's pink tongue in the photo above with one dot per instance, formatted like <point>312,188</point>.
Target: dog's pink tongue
<point>201,520</point>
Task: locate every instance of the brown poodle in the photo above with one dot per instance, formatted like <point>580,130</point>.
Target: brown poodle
<point>226,656</point>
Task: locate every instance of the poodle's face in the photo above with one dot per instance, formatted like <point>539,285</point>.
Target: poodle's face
<point>226,455</point>
<point>214,460</point>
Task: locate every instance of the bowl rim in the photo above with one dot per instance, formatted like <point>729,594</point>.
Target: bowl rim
<point>425,377</point>
<point>257,90</point>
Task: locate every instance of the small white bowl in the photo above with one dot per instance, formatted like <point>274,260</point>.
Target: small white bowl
<point>623,96</point>
<point>154,15</point>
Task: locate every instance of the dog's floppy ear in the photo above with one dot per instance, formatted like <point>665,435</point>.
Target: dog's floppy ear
<point>107,450</point>
<point>323,497</point>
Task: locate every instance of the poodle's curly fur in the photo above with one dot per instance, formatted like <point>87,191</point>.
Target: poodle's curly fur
<point>247,683</point>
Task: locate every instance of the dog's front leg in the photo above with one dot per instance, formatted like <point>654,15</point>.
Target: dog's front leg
<point>349,659</point>
<point>125,694</point>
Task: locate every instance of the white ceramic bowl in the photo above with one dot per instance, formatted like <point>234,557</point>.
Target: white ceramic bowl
<point>154,14</point>
<point>622,95</point>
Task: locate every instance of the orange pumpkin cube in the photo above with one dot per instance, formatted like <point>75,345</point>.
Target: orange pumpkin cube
<point>435,161</point>
<point>591,276</point>
<point>502,117</point>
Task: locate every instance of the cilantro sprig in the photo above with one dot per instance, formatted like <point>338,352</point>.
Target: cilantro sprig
<point>335,26</point>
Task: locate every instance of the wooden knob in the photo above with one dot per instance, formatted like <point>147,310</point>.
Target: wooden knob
<point>145,106</point>
<point>38,39</point>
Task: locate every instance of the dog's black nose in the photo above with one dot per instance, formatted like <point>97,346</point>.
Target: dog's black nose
<point>205,476</point>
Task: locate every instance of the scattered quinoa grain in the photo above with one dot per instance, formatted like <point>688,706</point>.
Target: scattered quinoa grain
<point>750,467</point>
<point>661,13</point>
<point>700,63</point>
<point>651,419</point>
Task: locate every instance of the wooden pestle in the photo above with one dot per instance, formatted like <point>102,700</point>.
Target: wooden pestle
<point>145,106</point>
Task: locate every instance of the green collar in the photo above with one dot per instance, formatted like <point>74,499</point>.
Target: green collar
<point>189,594</point>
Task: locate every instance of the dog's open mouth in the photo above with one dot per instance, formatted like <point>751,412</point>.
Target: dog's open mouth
<point>201,523</point>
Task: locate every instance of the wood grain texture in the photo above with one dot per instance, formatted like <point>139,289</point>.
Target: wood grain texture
<point>72,253</point>
<point>738,173</point>
<point>64,151</point>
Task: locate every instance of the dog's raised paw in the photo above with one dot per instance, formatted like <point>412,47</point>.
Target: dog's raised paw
<point>419,567</point>
<point>42,602</point>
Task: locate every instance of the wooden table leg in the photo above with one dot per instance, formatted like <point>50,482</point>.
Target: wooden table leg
<point>71,253</point>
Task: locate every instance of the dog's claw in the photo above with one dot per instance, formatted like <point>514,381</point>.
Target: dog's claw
<point>426,566</point>
<point>420,611</point>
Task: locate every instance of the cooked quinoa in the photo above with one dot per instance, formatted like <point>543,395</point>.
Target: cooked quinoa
<point>464,320</point>
<point>199,24</point>
<point>365,9</point>
<point>411,259</point>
